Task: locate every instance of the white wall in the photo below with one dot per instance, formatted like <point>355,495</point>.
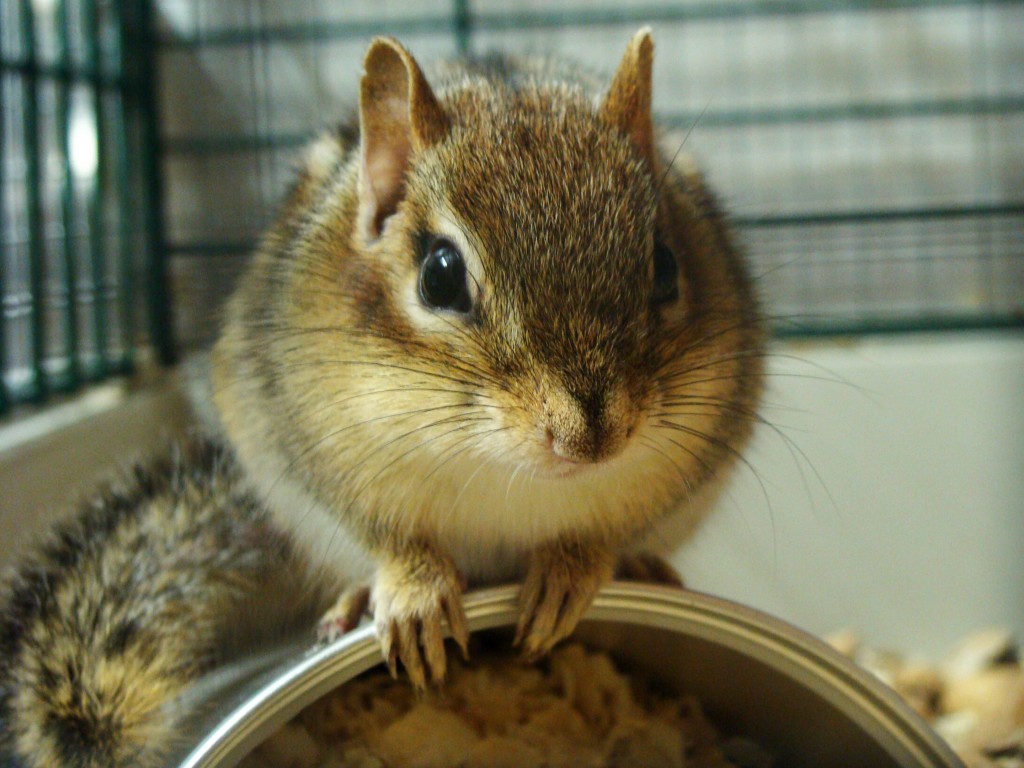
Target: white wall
<point>919,441</point>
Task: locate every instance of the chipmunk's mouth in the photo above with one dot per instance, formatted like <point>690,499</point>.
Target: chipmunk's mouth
<point>560,467</point>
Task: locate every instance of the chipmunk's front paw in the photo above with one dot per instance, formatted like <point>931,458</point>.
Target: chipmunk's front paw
<point>410,600</point>
<point>560,584</point>
<point>344,614</point>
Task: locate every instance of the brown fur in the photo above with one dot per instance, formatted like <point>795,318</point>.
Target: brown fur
<point>401,449</point>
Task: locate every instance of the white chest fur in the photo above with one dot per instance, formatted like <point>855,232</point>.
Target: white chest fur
<point>487,516</point>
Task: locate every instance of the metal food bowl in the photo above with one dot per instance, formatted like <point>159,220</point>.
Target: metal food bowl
<point>754,675</point>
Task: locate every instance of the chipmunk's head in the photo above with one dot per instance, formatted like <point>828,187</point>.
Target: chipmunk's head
<point>505,268</point>
<point>520,220</point>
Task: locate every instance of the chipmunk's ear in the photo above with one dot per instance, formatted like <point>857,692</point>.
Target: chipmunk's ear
<point>627,105</point>
<point>398,116</point>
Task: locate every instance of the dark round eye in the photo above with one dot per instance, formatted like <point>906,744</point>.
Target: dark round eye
<point>666,275</point>
<point>443,277</point>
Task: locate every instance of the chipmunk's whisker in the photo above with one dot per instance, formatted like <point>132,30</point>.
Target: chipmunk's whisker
<point>453,450</point>
<point>462,424</point>
<point>720,446</point>
<point>651,445</point>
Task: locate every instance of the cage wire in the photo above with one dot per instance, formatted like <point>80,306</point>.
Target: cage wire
<point>871,155</point>
<point>76,254</point>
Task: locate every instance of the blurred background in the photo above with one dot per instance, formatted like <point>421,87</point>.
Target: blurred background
<point>871,155</point>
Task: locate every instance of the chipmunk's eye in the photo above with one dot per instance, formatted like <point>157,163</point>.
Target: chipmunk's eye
<point>666,275</point>
<point>443,277</point>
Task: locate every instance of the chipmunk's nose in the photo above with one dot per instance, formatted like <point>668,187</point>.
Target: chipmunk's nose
<point>587,427</point>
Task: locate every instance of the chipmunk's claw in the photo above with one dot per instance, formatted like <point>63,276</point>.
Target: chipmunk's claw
<point>345,614</point>
<point>409,611</point>
<point>457,623</point>
<point>558,589</point>
<point>386,634</point>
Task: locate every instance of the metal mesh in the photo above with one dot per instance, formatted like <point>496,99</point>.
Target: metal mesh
<point>871,155</point>
<point>73,188</point>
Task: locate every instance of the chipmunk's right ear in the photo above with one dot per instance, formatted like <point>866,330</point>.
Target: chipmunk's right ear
<point>398,116</point>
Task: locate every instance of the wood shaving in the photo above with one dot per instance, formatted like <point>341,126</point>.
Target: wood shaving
<point>973,697</point>
<point>576,709</point>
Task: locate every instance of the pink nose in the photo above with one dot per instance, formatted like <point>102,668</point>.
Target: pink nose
<point>587,428</point>
<point>587,446</point>
<point>562,450</point>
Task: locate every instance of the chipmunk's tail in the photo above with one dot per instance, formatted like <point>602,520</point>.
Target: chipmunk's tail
<point>66,706</point>
<point>126,604</point>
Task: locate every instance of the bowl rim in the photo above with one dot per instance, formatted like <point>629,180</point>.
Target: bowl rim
<point>306,673</point>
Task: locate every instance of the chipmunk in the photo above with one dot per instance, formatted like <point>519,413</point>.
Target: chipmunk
<point>494,334</point>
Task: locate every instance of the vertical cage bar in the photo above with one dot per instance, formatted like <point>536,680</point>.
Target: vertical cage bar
<point>981,130</point>
<point>126,204</point>
<point>4,400</point>
<point>462,26</point>
<point>143,90</point>
<point>30,103</point>
<point>96,199</point>
<point>259,73</point>
<point>63,118</point>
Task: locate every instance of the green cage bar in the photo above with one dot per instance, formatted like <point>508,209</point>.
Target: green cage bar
<point>4,399</point>
<point>71,321</point>
<point>36,390</point>
<point>462,26</point>
<point>127,220</point>
<point>96,197</point>
<point>143,21</point>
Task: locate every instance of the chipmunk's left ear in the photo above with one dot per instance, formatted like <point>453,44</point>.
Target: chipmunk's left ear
<point>399,116</point>
<point>627,105</point>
